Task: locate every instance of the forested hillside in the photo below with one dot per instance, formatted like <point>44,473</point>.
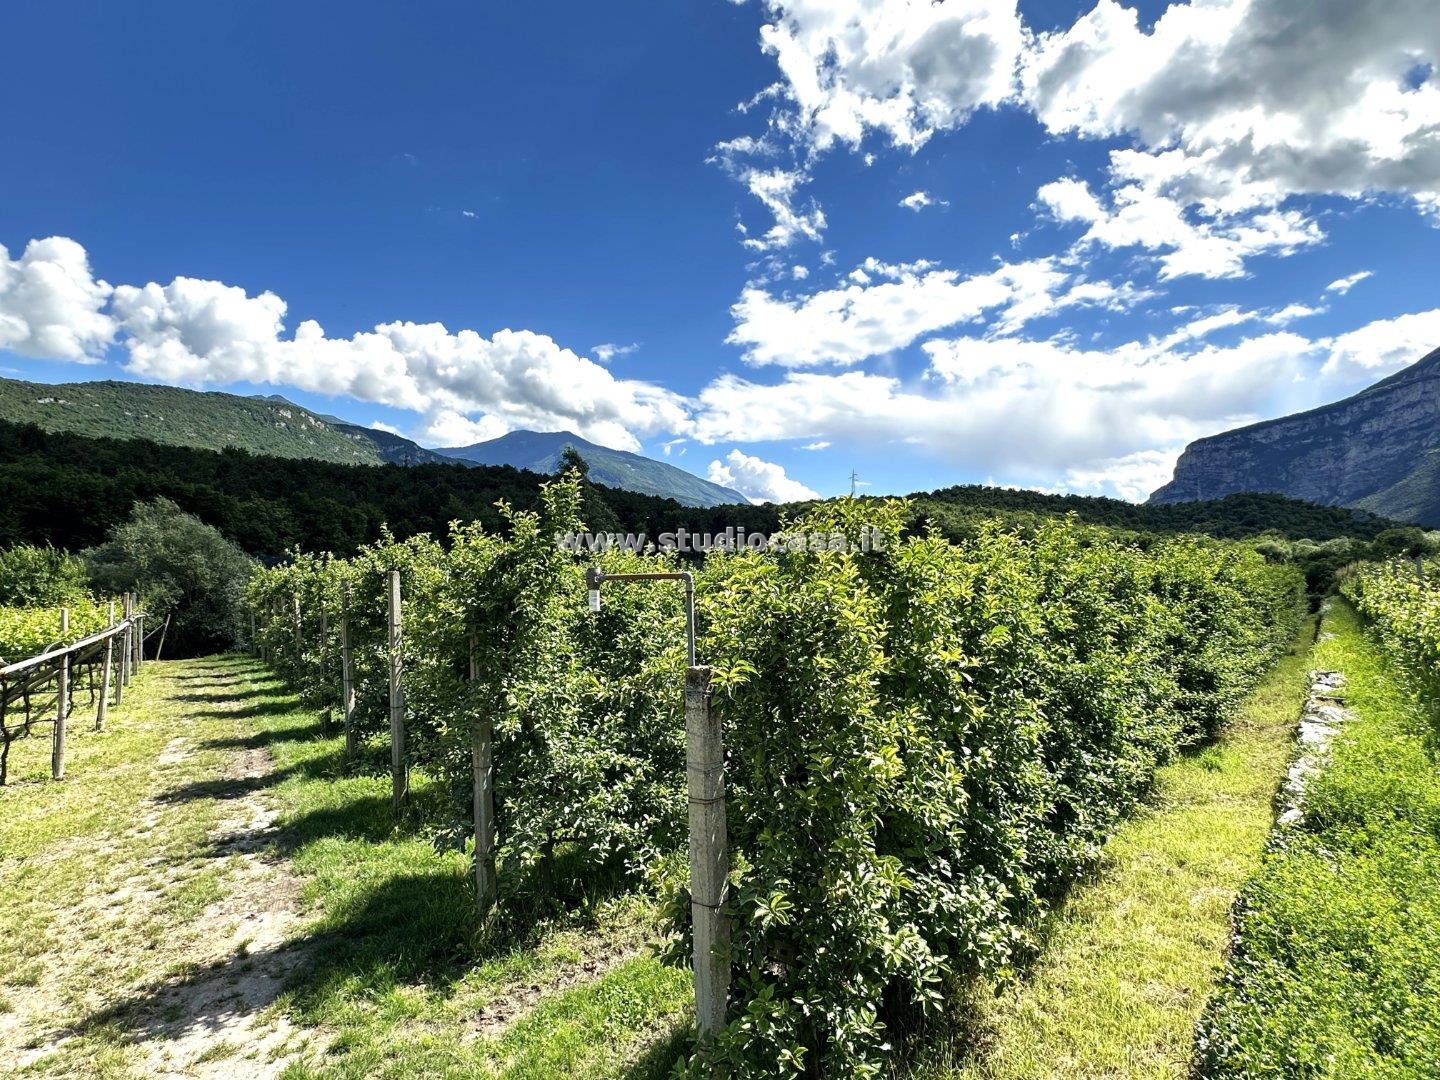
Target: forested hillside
<point>69,490</point>
<point>208,421</point>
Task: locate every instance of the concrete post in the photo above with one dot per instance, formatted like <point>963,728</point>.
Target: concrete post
<point>103,705</point>
<point>399,778</point>
<point>347,677</point>
<point>481,739</point>
<point>709,853</point>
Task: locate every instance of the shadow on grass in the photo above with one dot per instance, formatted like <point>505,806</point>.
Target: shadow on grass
<point>407,929</point>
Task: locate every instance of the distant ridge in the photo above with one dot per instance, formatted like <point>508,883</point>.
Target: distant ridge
<point>540,451</point>
<point>1378,450</point>
<point>276,427</point>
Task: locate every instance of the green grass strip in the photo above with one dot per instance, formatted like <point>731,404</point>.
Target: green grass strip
<point>1132,957</point>
<point>1336,972</point>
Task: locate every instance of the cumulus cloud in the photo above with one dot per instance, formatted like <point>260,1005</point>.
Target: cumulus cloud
<point>1143,211</point>
<point>902,67</point>
<point>885,306</point>
<point>1032,411</point>
<point>1382,347</point>
<point>1257,99</point>
<point>197,332</point>
<point>758,480</point>
<point>51,306</point>
<point>919,200</point>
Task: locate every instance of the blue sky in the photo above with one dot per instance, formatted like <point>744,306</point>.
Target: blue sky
<point>1042,245</point>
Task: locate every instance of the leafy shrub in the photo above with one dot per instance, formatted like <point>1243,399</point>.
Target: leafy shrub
<point>33,576</point>
<point>927,743</point>
<point>930,742</point>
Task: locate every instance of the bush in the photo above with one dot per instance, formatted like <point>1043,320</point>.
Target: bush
<point>40,577</point>
<point>929,743</point>
<point>178,566</point>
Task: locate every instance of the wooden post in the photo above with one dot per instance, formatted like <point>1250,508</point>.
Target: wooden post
<point>254,651</point>
<point>347,676</point>
<point>1420,567</point>
<point>62,704</point>
<point>165,629</point>
<point>484,787</point>
<point>139,643</point>
<point>399,779</point>
<point>327,714</point>
<point>709,853</point>
<point>126,646</point>
<point>103,705</point>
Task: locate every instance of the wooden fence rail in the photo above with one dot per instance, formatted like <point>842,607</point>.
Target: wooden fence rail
<point>63,667</point>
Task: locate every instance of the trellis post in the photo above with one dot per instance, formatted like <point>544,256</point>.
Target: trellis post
<point>139,642</point>
<point>298,628</point>
<point>320,658</point>
<point>347,675</point>
<point>709,853</point>
<point>62,704</point>
<point>126,645</point>
<point>399,780</point>
<point>254,650</point>
<point>102,706</point>
<point>484,783</point>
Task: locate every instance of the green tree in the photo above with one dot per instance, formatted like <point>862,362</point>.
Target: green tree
<point>181,567</point>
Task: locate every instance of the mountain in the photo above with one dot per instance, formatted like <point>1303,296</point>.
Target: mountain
<point>1377,451</point>
<point>276,427</point>
<point>204,420</point>
<point>539,451</point>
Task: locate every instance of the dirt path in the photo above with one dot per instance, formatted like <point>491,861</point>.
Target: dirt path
<point>176,943</point>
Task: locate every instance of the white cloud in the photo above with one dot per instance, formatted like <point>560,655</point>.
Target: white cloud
<point>197,332</point>
<point>446,427</point>
<point>919,200</point>
<point>901,67</point>
<point>888,306</point>
<point>1382,347</point>
<point>1290,312</point>
<point>779,191</point>
<point>1132,477</point>
<point>1255,99</point>
<point>608,351</point>
<point>1144,212</point>
<point>51,306</point>
<point>1345,284</point>
<point>1033,411</point>
<point>799,273</point>
<point>822,444</point>
<point>758,480</point>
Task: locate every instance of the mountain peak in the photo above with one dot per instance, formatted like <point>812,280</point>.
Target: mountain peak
<point>540,451</point>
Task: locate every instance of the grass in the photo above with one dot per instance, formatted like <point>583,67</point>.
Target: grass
<point>1336,972</point>
<point>115,891</point>
<point>1132,957</point>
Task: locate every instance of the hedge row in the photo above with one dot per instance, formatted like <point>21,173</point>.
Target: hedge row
<point>1335,966</point>
<point>927,743</point>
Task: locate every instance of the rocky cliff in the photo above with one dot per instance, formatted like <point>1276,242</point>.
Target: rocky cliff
<point>1378,450</point>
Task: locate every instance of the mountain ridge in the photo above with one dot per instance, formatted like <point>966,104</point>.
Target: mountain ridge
<point>540,451</point>
<point>1377,450</point>
<point>274,426</point>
